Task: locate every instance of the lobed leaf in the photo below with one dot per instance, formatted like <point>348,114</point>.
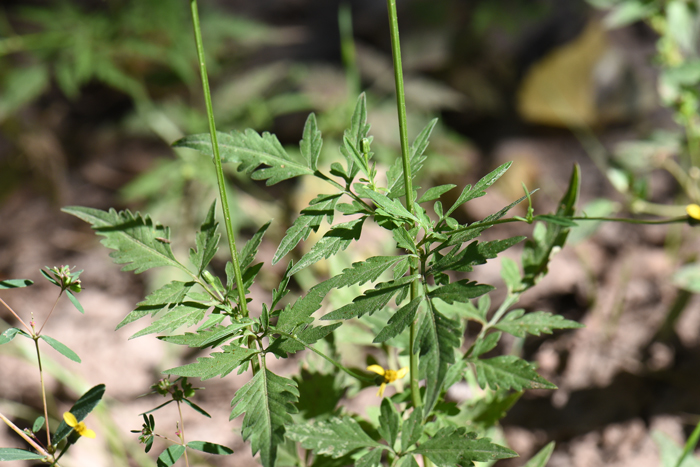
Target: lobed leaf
<point>139,243</point>
<point>372,459</point>
<point>308,336</point>
<point>206,240</point>
<point>334,437</point>
<point>267,400</point>
<point>372,300</point>
<point>396,185</point>
<point>184,314</point>
<point>460,291</point>
<point>509,372</point>
<point>399,321</point>
<point>389,422</point>
<point>251,150</point>
<point>359,128</point>
<point>534,323</point>
<point>172,293</point>
<point>475,253</point>
<point>479,189</point>
<point>454,446</point>
<point>311,142</point>
<point>218,363</point>
<point>309,220</point>
<point>214,336</point>
<point>411,430</point>
<point>387,206</point>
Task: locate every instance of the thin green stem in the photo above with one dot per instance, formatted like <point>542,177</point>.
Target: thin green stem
<point>43,391</point>
<point>16,316</point>
<point>50,313</point>
<point>182,432</point>
<point>408,182</point>
<point>217,160</point>
<point>329,359</point>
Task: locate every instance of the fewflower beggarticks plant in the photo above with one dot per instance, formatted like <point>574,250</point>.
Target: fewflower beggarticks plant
<point>78,427</point>
<point>389,376</point>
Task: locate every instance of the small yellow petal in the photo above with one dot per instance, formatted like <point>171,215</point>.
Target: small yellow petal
<point>85,431</point>
<point>376,369</point>
<point>70,419</point>
<point>693,211</point>
<point>402,372</point>
<point>380,393</point>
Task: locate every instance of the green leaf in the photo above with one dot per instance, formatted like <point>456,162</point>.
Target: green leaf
<point>82,407</point>
<point>687,278</point>
<point>629,12</point>
<point>442,336</point>
<point>251,150</point>
<point>338,238</point>
<point>454,446</point>
<point>218,363</point>
<point>359,128</point>
<point>471,192</point>
<point>510,274</point>
<point>399,321</point>
<point>308,336</point>
<point>486,344</point>
<point>372,459</point>
<point>334,437</point>
<point>389,421</point>
<point>509,372</point>
<point>207,241</point>
<point>196,408</point>
<point>140,243</point>
<point>371,300</point>
<point>368,270</point>
<point>409,461</point>
<point>542,457</point>
<point>546,239</point>
<point>309,220</point>
<point>172,293</point>
<point>267,400</point>
<point>170,455</point>
<point>38,424</point>
<point>169,319</point>
<point>12,454</point>
<point>475,253</point>
<point>75,301</point>
<point>394,176</point>
<point>387,206</point>
<point>61,348</point>
<point>411,430</point>
<point>214,336</point>
<point>10,334</point>
<point>15,283</point>
<point>250,250</point>
<point>210,448</point>
<point>434,193</point>
<point>460,291</point>
<point>311,142</point>
<point>534,323</point>
<point>670,452</point>
<point>552,219</point>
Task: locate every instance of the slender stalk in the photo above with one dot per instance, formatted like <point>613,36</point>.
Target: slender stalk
<point>16,316</point>
<point>217,160</point>
<point>182,432</point>
<point>50,313</point>
<point>43,391</point>
<point>408,183</point>
<point>24,436</point>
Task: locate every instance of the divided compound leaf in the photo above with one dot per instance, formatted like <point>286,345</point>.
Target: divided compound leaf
<point>387,206</point>
<point>461,291</point>
<point>303,338</point>
<point>267,400</point>
<point>520,324</point>
<point>311,142</point>
<point>372,300</point>
<point>389,422</point>
<point>206,240</point>
<point>372,459</point>
<point>338,238</point>
<point>475,253</point>
<point>479,189</point>
<point>359,128</point>
<point>218,363</point>
<point>442,336</point>
<point>453,446</point>
<point>411,430</point>
<point>334,437</point>
<point>171,318</point>
<point>250,250</point>
<point>213,336</point>
<point>170,294</point>
<point>509,372</point>
<point>396,185</point>
<point>139,243</point>
<point>399,321</point>
<point>308,221</point>
<point>251,150</point>
<point>435,193</point>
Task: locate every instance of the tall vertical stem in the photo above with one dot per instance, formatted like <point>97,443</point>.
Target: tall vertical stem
<point>43,393</point>
<point>408,183</point>
<point>217,160</point>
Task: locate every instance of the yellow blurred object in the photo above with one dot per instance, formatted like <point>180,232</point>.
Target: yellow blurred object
<point>693,211</point>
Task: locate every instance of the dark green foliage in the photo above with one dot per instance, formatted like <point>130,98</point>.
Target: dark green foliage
<point>334,437</point>
<point>389,422</point>
<point>207,241</point>
<point>509,372</point>
<point>520,324</point>
<point>267,401</point>
<point>218,363</point>
<point>61,348</point>
<point>450,447</point>
<point>82,407</point>
<point>335,240</point>
<point>210,448</point>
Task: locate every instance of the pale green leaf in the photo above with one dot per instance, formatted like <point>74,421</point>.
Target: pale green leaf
<point>140,243</point>
<point>359,128</point>
<point>15,283</point>
<point>252,151</point>
<point>509,372</point>
<point>411,430</point>
<point>218,363</point>
<point>311,142</point>
<point>542,457</point>
<point>372,459</point>
<point>214,336</point>
<point>387,206</point>
<point>389,422</point>
<point>510,274</point>
<point>534,323</point>
<point>334,437</point>
<point>169,319</point>
<point>10,333</point>
<point>454,446</point>
<point>12,454</point>
<point>267,400</point>
<point>479,189</point>
<point>61,348</point>
<point>74,301</point>
<point>394,176</point>
<point>435,192</point>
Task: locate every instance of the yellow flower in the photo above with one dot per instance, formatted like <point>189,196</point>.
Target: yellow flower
<point>389,376</point>
<point>80,428</point>
<point>693,211</point>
